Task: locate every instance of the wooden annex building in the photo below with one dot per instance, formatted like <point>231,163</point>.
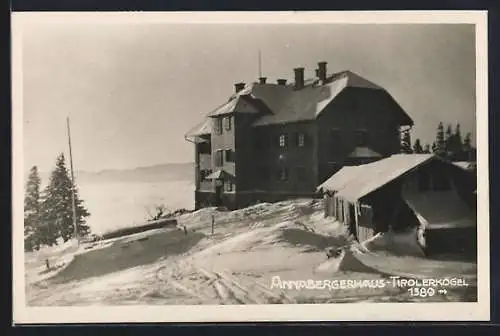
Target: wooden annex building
<point>406,191</point>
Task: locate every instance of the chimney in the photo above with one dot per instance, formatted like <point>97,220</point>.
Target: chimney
<point>322,71</point>
<point>262,80</point>
<point>238,87</point>
<point>281,81</point>
<point>299,78</point>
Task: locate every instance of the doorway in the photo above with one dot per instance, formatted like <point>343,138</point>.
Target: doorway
<point>218,195</point>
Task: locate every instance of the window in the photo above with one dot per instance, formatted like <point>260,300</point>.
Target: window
<point>283,174</point>
<point>361,137</point>
<point>301,174</point>
<point>229,155</point>
<point>218,125</point>
<point>229,186</point>
<point>228,121</point>
<point>218,158</point>
<point>204,148</point>
<point>283,140</point>
<point>300,139</point>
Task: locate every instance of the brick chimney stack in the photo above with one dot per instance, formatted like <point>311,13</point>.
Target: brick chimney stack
<point>262,80</point>
<point>322,71</point>
<point>299,78</point>
<point>238,87</point>
<point>281,81</point>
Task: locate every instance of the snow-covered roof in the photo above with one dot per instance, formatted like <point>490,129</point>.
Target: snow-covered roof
<point>310,101</point>
<point>340,179</point>
<point>202,128</point>
<point>367,178</point>
<point>235,104</point>
<point>441,210</point>
<point>279,104</point>
<point>465,165</point>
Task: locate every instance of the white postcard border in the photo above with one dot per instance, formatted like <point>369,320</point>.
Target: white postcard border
<point>479,311</point>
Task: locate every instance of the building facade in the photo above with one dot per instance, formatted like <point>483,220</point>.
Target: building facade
<point>274,141</point>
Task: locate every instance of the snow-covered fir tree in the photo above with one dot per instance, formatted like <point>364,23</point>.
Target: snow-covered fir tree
<point>439,145</point>
<point>32,211</point>
<point>427,149</point>
<point>417,147</point>
<point>58,207</point>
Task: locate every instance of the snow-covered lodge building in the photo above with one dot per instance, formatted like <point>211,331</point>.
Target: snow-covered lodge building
<point>273,141</point>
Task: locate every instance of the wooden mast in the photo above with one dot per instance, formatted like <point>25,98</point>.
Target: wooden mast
<point>260,64</point>
<point>73,198</point>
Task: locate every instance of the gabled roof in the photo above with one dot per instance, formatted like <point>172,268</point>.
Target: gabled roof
<point>339,179</point>
<point>308,102</point>
<point>235,104</point>
<point>279,104</point>
<point>368,178</point>
<point>203,128</point>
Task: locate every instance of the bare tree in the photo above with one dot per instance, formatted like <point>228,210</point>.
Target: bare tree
<point>158,211</point>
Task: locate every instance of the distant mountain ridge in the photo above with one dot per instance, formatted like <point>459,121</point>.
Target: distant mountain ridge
<point>155,173</point>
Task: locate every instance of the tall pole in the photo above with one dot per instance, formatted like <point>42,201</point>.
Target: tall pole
<point>73,203</point>
<point>260,64</point>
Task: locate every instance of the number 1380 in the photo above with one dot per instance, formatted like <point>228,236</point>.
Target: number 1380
<point>421,291</point>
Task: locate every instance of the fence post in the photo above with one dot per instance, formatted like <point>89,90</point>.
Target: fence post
<point>213,223</point>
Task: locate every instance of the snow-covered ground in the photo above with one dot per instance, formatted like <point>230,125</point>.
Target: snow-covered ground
<point>247,259</point>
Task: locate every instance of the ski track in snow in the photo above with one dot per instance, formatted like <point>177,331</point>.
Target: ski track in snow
<point>234,266</point>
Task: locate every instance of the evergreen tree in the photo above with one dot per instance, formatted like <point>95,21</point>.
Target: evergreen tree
<point>439,145</point>
<point>467,147</point>
<point>32,211</point>
<point>434,148</point>
<point>58,206</point>
<point>448,141</point>
<point>458,136</point>
<point>406,143</point>
<point>427,149</point>
<point>417,147</point>
<point>457,145</point>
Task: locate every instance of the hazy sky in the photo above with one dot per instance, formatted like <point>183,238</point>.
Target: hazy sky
<point>133,90</point>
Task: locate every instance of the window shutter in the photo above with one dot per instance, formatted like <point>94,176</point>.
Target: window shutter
<point>219,158</point>
<point>228,122</point>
